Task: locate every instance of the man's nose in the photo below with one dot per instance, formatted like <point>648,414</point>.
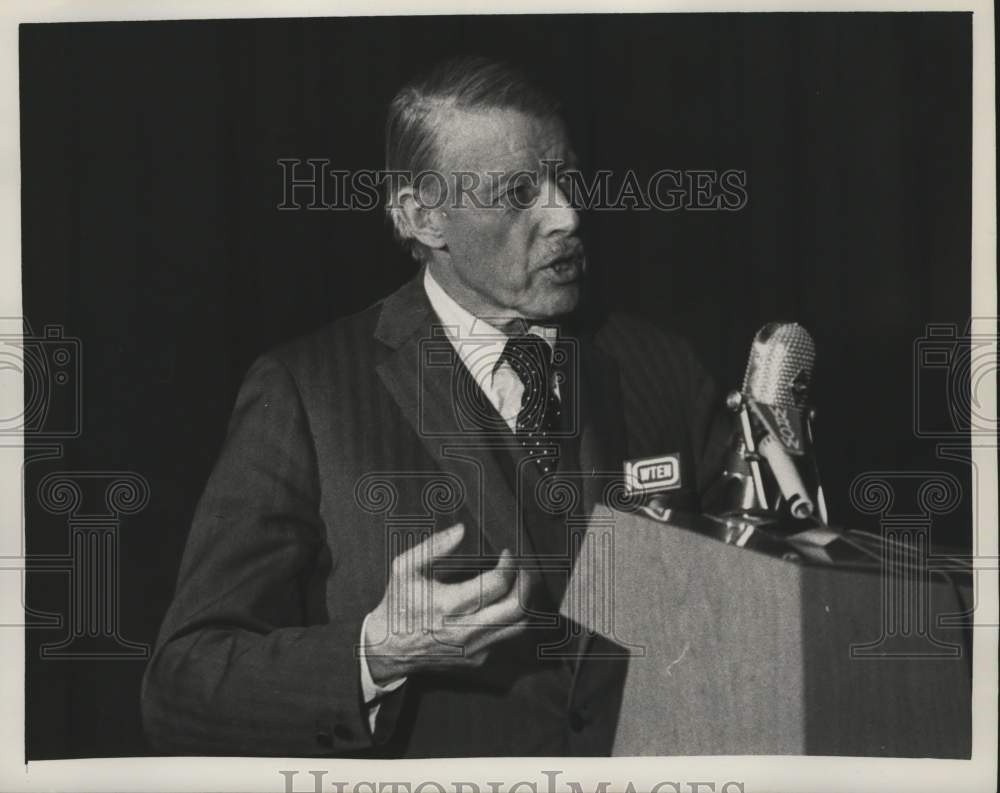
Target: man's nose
<point>557,211</point>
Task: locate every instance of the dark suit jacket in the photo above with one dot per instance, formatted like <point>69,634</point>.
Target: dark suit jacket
<point>344,446</point>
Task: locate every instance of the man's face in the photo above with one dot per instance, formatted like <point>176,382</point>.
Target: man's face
<point>511,243</point>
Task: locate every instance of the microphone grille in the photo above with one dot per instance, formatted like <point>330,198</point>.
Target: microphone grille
<point>780,366</point>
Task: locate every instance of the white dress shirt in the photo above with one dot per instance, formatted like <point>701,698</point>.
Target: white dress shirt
<point>478,345</point>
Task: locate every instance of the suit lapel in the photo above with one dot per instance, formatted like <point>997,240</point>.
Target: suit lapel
<point>603,447</point>
<point>423,375</point>
<point>603,441</point>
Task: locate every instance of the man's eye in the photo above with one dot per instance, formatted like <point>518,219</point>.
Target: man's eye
<point>522,195</point>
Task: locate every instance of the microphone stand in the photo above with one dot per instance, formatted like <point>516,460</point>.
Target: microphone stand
<point>820,499</point>
<point>736,403</point>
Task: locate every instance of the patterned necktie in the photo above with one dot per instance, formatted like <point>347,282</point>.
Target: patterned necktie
<point>530,356</point>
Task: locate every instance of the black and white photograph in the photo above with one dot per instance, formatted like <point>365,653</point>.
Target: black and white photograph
<point>593,398</point>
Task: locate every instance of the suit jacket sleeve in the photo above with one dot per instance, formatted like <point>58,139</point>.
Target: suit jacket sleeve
<point>246,663</point>
<point>711,423</point>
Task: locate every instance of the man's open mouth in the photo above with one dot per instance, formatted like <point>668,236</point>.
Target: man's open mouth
<point>567,268</point>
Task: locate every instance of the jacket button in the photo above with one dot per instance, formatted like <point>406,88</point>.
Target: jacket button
<point>576,722</point>
<point>342,733</point>
<point>324,740</point>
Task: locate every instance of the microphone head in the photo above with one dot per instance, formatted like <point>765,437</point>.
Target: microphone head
<point>777,379</point>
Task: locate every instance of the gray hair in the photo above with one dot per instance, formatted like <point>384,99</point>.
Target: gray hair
<point>464,83</point>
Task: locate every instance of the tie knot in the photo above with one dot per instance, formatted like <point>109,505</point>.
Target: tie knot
<point>530,356</point>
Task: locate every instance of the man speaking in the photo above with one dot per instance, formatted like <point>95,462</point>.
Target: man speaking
<point>378,560</point>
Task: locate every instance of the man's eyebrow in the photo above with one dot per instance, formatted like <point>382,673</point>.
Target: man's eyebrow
<point>499,180</point>
<point>560,164</point>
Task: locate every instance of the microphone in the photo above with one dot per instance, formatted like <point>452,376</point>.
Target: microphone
<point>777,379</point>
<point>775,429</point>
<point>776,387</point>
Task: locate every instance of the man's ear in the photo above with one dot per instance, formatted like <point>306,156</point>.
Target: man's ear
<point>425,224</point>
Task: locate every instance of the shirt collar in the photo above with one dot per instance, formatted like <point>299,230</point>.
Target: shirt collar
<point>477,342</point>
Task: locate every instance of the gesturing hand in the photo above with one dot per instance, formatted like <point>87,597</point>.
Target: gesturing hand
<point>425,624</point>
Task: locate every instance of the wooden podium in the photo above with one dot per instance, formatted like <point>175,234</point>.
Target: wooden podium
<point>733,651</point>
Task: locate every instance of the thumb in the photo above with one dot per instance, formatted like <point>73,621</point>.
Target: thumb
<point>438,544</point>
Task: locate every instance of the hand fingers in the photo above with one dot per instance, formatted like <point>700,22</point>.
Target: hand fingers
<point>497,582</point>
<point>505,611</point>
<point>439,543</point>
<point>495,622</point>
<point>484,589</point>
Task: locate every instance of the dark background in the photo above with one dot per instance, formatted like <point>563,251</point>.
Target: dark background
<point>150,233</point>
